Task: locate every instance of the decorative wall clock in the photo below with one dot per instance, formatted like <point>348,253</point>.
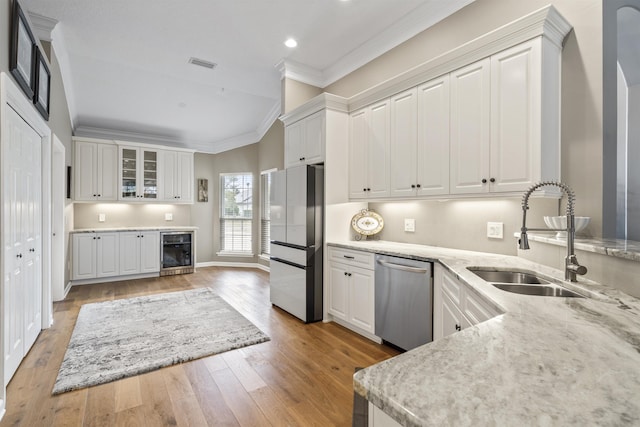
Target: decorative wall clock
<point>366,223</point>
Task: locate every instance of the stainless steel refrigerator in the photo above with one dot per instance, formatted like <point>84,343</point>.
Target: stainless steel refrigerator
<point>296,241</point>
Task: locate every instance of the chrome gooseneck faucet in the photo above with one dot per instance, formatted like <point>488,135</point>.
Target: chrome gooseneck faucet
<point>571,265</point>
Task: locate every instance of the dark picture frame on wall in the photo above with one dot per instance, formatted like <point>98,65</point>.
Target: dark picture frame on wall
<point>23,47</point>
<point>42,85</point>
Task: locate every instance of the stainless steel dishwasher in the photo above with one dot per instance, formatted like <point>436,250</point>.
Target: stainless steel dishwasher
<point>404,301</point>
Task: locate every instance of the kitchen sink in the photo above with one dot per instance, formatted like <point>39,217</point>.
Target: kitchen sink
<point>524,283</point>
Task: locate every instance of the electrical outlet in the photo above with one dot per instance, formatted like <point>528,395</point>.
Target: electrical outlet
<point>495,230</point>
<point>410,225</point>
<point>102,217</point>
<point>168,217</point>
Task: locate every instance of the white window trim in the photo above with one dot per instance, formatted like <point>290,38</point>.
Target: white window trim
<point>239,254</point>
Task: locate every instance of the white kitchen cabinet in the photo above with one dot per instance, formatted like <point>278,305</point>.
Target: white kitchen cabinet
<point>177,180</point>
<point>369,145</point>
<point>351,288</point>
<point>378,418</point>
<point>470,128</point>
<point>139,252</point>
<point>138,173</point>
<point>404,140</point>
<point>456,306</point>
<point>95,255</point>
<point>96,169</point>
<point>305,140</point>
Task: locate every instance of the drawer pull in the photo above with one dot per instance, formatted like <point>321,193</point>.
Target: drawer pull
<point>348,257</point>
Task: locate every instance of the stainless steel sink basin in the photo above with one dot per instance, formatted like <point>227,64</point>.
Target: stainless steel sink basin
<point>541,290</point>
<point>524,283</point>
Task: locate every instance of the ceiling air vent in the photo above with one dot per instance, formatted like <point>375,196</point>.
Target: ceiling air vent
<point>202,63</point>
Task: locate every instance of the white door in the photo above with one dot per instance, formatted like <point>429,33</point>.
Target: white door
<point>58,255</point>
<point>107,245</point>
<point>358,134</point>
<point>470,130</point>
<point>293,144</point>
<point>168,176</point>
<point>515,117</point>
<point>185,181</point>
<point>404,138</point>
<point>22,240</point>
<point>150,252</point>
<point>314,137</point>
<point>129,252</point>
<point>378,150</point>
<point>338,290</point>
<point>85,171</point>
<point>84,256</point>
<point>433,137</point>
<point>361,298</point>
<point>107,172</point>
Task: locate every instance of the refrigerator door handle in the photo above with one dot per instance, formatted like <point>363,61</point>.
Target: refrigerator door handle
<point>291,245</point>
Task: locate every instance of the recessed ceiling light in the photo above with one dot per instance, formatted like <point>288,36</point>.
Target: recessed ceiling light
<point>291,43</point>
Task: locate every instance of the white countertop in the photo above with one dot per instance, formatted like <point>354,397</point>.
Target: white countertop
<point>545,361</point>
<point>106,230</point>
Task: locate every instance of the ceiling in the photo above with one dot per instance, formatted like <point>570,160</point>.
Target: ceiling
<point>126,73</point>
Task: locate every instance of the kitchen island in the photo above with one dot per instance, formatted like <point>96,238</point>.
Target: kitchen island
<point>544,361</point>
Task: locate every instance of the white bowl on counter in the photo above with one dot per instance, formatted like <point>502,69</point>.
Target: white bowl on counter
<point>580,222</point>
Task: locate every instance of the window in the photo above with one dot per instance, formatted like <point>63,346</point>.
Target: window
<point>236,216</point>
<point>265,212</point>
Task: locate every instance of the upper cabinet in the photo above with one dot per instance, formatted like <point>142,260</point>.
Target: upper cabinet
<point>304,141</point>
<point>369,143</point>
<point>177,177</point>
<point>96,171</point>
<point>485,121</point>
<point>131,172</point>
<point>138,173</point>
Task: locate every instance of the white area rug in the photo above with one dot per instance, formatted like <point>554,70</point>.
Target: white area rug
<point>122,338</point>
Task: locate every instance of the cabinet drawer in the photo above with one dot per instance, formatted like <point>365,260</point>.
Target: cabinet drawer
<point>350,257</point>
<point>452,287</point>
<point>477,309</point>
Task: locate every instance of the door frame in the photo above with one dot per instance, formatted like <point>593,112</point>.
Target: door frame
<point>58,232</point>
<point>12,97</point>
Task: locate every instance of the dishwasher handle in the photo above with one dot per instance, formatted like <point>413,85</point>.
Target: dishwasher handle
<point>403,267</point>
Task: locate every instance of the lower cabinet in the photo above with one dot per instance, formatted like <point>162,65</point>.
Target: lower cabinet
<point>456,306</point>
<point>110,254</point>
<point>378,418</point>
<point>351,288</point>
<point>139,252</point>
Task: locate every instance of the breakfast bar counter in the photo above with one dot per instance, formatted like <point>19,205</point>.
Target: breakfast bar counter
<point>544,361</point>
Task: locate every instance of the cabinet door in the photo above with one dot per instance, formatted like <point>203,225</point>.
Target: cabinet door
<point>358,134</point>
<point>433,137</point>
<point>148,174</point>
<point>85,186</point>
<point>130,252</point>
<point>185,181</point>
<point>169,178</point>
<point>452,319</point>
<point>338,290</point>
<point>84,256</point>
<point>361,298</point>
<point>293,144</point>
<point>128,173</point>
<point>515,117</point>
<point>107,172</point>
<point>404,134</point>
<point>314,138</point>
<point>378,150</point>
<point>107,246</point>
<point>150,252</point>
<point>470,130</point>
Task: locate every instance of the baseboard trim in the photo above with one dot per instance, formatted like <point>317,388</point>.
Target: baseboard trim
<point>113,279</point>
<point>233,264</point>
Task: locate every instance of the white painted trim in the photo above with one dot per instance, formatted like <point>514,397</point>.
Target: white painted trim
<point>320,102</point>
<point>235,254</point>
<point>300,72</point>
<point>232,264</point>
<point>112,279</point>
<point>545,22</point>
<point>42,26</point>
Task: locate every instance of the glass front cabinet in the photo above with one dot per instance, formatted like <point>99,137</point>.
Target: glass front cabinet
<point>138,173</point>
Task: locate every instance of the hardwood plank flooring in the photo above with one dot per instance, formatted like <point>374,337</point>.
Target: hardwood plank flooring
<point>302,377</point>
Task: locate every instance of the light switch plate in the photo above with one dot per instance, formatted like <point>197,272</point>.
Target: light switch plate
<point>168,217</point>
<point>410,225</point>
<point>102,217</point>
<point>495,230</point>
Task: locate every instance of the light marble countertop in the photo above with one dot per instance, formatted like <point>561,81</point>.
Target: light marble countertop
<point>619,248</point>
<point>106,230</point>
<point>545,361</point>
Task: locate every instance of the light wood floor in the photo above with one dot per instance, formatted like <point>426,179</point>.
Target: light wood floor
<point>303,376</point>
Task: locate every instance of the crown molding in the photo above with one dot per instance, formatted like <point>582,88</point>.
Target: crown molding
<point>323,101</point>
<point>545,22</point>
<point>300,72</point>
<point>43,26</point>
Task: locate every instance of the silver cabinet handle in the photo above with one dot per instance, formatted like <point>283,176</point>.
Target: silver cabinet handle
<point>403,267</point>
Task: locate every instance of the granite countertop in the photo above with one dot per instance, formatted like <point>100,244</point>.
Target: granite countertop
<point>545,361</point>
<point>619,248</point>
<point>106,230</point>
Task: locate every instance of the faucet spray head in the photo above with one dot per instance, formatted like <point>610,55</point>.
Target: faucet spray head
<point>524,240</point>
